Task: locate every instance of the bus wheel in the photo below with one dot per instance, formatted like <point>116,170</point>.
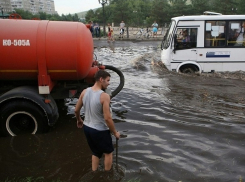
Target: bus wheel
<point>188,70</point>
<point>22,117</point>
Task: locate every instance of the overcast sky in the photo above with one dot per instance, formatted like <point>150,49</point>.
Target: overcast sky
<point>75,6</point>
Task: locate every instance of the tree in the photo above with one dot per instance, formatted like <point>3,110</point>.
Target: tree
<point>180,8</point>
<point>90,15</point>
<point>42,15</point>
<point>160,12</point>
<point>139,10</point>
<point>24,14</point>
<point>120,11</point>
<point>75,17</point>
<point>224,6</point>
<point>241,7</point>
<point>98,16</point>
<point>199,6</point>
<point>69,17</point>
<point>63,17</point>
<point>108,14</point>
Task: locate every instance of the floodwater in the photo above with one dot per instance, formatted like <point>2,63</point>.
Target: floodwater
<point>175,127</point>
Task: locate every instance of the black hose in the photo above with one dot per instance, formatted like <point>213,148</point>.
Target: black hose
<point>120,74</point>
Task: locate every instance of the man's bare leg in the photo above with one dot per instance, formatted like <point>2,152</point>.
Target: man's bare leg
<point>108,161</point>
<point>95,162</point>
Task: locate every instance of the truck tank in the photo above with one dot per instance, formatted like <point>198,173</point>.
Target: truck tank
<point>26,45</point>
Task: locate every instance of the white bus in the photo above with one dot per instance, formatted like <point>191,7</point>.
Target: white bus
<point>205,43</point>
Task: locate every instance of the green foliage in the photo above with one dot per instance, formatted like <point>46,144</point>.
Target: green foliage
<point>44,16</point>
<point>90,16</point>
<point>225,6</point>
<point>160,12</point>
<point>120,11</point>
<point>199,6</point>
<point>241,7</point>
<point>180,8</point>
<point>144,12</point>
<point>25,14</point>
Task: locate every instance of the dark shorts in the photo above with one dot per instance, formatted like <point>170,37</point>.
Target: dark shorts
<point>100,142</point>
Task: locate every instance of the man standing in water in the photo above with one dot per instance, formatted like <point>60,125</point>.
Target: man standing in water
<point>98,124</point>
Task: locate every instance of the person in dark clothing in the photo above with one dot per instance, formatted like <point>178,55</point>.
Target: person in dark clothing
<point>98,121</point>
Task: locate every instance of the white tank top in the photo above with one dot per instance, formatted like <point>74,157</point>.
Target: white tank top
<point>94,117</point>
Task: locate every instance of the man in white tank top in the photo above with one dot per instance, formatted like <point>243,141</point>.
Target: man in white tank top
<point>98,123</point>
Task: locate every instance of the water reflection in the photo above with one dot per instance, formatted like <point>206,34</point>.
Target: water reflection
<point>116,174</point>
<point>30,147</point>
<point>112,46</point>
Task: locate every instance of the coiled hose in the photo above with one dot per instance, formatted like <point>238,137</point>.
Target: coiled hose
<point>122,80</point>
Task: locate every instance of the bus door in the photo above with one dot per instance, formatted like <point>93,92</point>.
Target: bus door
<point>185,44</point>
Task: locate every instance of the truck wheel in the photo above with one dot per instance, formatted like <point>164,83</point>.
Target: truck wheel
<point>22,117</point>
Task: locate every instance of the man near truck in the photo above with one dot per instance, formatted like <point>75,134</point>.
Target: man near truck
<point>98,124</point>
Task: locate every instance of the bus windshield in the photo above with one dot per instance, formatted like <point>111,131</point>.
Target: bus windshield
<point>169,35</point>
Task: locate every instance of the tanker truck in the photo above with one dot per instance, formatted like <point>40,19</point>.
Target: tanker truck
<point>41,62</point>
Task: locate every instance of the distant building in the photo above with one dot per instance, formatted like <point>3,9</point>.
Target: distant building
<point>34,6</point>
<point>5,6</point>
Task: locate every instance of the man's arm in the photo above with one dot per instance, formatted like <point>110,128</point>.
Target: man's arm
<point>79,105</point>
<point>105,101</point>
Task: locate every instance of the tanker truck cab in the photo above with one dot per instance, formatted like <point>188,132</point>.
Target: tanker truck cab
<point>204,43</point>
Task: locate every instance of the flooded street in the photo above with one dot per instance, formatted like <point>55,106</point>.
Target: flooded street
<point>175,127</point>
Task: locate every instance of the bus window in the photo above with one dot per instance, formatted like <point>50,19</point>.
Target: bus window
<point>236,35</point>
<point>169,35</point>
<point>186,38</point>
<point>215,32</point>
